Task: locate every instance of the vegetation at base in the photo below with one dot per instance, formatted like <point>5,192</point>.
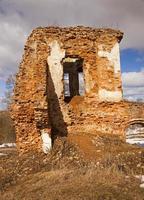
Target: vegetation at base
<point>84,183</point>
<point>65,173</point>
<point>7,132</point>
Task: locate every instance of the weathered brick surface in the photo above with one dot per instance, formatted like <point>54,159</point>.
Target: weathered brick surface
<point>39,96</point>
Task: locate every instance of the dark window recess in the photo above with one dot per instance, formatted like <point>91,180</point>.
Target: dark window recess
<point>73,78</point>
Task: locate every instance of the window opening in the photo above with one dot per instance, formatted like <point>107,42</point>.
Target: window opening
<point>66,85</point>
<point>73,78</point>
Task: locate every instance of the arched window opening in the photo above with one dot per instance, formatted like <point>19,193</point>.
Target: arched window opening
<point>135,133</point>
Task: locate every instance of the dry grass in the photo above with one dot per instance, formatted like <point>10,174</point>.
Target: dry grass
<point>63,174</point>
<point>77,184</point>
<point>66,174</point>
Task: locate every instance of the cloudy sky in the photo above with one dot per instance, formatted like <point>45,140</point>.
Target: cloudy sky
<point>19,17</point>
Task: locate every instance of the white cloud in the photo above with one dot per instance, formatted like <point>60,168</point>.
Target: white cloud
<point>133,79</point>
<point>11,47</point>
<point>142,69</point>
<point>126,15</point>
<point>133,85</point>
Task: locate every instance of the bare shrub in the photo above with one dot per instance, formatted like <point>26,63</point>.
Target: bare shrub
<point>7,133</point>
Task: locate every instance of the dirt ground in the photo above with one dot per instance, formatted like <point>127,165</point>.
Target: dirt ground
<point>91,167</point>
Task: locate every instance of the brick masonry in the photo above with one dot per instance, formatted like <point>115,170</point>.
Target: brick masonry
<point>39,109</point>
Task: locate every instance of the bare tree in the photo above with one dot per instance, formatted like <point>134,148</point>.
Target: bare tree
<point>9,90</point>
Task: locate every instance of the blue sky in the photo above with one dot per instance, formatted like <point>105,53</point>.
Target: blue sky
<point>2,87</point>
<point>18,18</point>
<point>132,60</point>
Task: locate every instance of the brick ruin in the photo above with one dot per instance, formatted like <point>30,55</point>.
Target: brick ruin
<point>69,82</point>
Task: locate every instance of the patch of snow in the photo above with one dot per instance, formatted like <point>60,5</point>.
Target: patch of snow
<point>7,145</point>
<point>133,97</point>
<point>3,154</point>
<point>140,177</point>
<point>135,141</point>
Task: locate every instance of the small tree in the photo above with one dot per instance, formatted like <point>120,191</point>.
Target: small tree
<point>7,132</point>
<point>9,90</point>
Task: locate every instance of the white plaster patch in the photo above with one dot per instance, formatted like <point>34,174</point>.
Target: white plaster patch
<point>89,82</point>
<point>106,95</point>
<point>113,56</point>
<point>47,142</point>
<point>55,66</point>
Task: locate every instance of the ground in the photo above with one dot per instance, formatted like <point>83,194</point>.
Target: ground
<point>100,167</point>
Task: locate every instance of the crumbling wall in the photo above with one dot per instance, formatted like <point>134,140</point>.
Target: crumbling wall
<point>105,117</point>
<point>39,110</point>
